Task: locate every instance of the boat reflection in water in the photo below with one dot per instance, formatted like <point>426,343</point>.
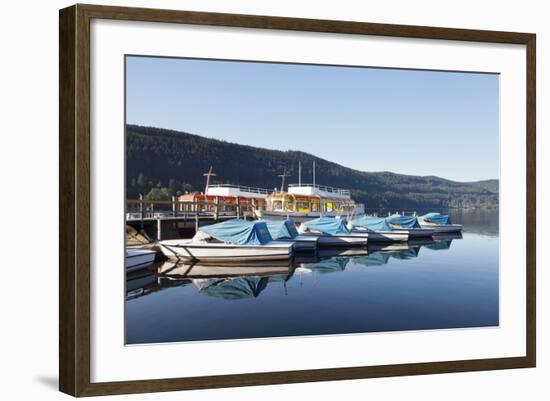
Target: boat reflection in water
<point>224,281</point>
<point>444,282</point>
<point>230,281</point>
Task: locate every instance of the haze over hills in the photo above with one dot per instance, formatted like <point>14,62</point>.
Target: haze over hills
<point>161,163</point>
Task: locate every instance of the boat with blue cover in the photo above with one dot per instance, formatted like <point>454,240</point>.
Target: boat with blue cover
<point>233,240</point>
<point>285,230</point>
<point>409,224</point>
<point>440,223</point>
<point>333,232</point>
<point>378,229</point>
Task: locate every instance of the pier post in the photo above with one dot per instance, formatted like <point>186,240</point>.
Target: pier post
<point>174,209</point>
<point>217,209</point>
<point>238,207</point>
<point>159,229</point>
<point>141,212</point>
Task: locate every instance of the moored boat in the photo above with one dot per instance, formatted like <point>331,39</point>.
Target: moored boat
<point>409,224</point>
<point>234,240</point>
<point>333,232</point>
<point>303,202</point>
<point>378,229</point>
<point>285,230</point>
<point>139,259</point>
<point>439,223</point>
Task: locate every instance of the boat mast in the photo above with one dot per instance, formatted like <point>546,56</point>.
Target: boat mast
<point>314,173</point>
<point>283,179</point>
<point>299,173</point>
<point>208,175</point>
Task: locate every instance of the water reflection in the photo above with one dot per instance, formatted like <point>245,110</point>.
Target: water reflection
<point>230,282</point>
<point>479,221</point>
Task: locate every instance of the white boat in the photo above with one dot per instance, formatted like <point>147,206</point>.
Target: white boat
<point>139,258</point>
<point>419,232</point>
<point>352,239</point>
<point>410,224</point>
<point>285,230</point>
<point>333,232</point>
<point>298,217</point>
<point>303,202</point>
<point>378,229</point>
<point>439,223</point>
<point>384,236</point>
<point>233,241</point>
<point>440,228</point>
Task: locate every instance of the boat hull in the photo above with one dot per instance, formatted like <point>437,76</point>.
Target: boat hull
<point>343,240</point>
<point>303,243</point>
<point>447,228</point>
<point>218,252</point>
<point>420,232</point>
<point>385,236</point>
<point>138,259</point>
<point>296,216</point>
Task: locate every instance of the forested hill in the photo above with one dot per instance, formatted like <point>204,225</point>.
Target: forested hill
<point>162,162</point>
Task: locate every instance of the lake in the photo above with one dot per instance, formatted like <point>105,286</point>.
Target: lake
<point>442,284</point>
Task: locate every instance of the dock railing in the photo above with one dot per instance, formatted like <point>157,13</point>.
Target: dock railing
<point>143,209</point>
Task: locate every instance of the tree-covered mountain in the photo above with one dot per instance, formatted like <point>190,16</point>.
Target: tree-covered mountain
<point>161,163</point>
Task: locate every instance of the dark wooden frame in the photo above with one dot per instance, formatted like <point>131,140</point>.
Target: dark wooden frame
<point>74,202</point>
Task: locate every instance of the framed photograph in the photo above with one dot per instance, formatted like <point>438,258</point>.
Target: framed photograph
<point>249,200</point>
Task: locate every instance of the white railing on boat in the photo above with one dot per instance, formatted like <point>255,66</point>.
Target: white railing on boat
<point>323,188</point>
<point>242,188</point>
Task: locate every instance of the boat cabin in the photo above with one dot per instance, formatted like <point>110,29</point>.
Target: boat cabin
<point>308,198</point>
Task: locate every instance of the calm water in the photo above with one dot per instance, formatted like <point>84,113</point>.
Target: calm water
<point>450,283</point>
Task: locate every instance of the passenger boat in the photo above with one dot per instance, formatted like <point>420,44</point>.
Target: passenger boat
<point>439,223</point>
<point>333,232</point>
<point>139,258</point>
<point>285,230</point>
<point>235,240</point>
<point>409,224</point>
<point>304,202</point>
<point>378,229</point>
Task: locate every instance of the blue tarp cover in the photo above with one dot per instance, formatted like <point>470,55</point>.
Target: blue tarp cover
<point>403,221</point>
<point>281,229</point>
<point>239,232</point>
<point>437,218</point>
<point>327,225</point>
<point>372,223</point>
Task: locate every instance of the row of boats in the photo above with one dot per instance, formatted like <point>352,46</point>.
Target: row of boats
<point>241,241</point>
<point>244,281</point>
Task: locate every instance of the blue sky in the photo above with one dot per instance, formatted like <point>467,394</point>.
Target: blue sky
<point>405,121</point>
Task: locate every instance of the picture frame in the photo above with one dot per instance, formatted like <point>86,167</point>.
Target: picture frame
<point>76,204</point>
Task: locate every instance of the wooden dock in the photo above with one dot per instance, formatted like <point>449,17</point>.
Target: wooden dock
<point>171,219</point>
